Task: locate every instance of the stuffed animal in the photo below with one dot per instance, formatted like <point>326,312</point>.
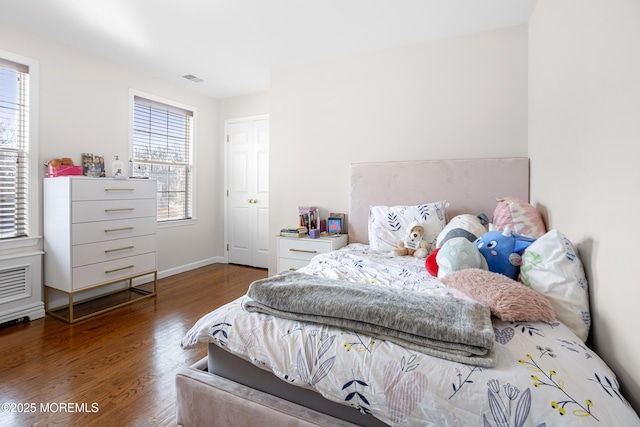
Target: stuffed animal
<point>503,251</point>
<point>413,244</point>
<point>431,263</point>
<point>458,253</point>
<point>55,163</point>
<point>464,225</point>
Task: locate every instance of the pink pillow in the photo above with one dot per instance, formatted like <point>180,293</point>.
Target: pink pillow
<point>508,300</point>
<point>520,216</point>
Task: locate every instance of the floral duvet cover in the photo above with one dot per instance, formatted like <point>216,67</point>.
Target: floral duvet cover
<point>545,374</point>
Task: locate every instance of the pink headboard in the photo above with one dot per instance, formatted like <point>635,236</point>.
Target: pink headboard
<point>469,185</point>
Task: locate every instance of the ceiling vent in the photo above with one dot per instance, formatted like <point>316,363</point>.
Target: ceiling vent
<point>193,78</point>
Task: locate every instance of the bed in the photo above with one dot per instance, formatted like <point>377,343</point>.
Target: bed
<point>266,364</point>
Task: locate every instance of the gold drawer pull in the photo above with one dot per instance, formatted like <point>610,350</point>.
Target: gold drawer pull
<point>107,251</point>
<point>303,250</point>
<point>119,189</point>
<point>118,209</point>
<point>111,230</point>
<point>118,269</point>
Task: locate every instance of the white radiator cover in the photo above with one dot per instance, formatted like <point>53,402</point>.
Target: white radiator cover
<point>21,286</point>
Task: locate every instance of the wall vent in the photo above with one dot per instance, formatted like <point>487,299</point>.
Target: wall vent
<point>13,283</point>
<point>193,78</point>
<point>21,286</point>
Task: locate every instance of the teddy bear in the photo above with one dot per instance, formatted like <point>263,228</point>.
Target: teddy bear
<point>55,163</point>
<point>413,244</point>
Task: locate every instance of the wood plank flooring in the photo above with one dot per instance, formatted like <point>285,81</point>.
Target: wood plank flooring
<point>117,369</point>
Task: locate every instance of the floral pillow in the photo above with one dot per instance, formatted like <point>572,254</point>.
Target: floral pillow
<point>388,224</point>
<point>551,266</point>
<point>519,216</point>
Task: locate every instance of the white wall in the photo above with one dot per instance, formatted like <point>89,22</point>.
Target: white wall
<point>243,106</point>
<point>584,145</point>
<point>84,107</point>
<point>458,98</point>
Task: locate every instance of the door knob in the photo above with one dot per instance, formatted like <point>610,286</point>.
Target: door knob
<point>252,201</point>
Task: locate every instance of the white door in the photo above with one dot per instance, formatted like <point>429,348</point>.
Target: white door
<point>248,191</point>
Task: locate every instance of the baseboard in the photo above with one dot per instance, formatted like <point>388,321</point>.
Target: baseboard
<point>188,267</point>
<point>32,311</point>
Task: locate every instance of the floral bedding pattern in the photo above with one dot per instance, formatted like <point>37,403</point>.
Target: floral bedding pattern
<point>545,374</point>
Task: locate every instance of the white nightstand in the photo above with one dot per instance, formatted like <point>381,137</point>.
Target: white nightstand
<point>296,252</point>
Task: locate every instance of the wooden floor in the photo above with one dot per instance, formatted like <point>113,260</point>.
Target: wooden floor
<point>119,368</point>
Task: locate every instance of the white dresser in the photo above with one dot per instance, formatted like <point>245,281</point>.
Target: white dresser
<point>97,232</point>
<point>296,252</point>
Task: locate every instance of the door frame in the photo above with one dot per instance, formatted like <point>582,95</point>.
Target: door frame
<point>225,139</point>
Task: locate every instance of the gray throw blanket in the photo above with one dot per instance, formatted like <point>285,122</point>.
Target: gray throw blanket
<point>449,328</point>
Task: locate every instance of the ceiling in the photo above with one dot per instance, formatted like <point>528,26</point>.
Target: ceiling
<point>234,45</point>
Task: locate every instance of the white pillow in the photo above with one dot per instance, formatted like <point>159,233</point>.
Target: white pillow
<point>551,266</point>
<point>388,224</point>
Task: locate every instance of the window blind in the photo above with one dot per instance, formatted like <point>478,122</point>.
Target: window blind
<point>14,149</point>
<point>162,149</point>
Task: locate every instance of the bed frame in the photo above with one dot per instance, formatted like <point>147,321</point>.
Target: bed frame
<point>222,389</point>
<point>469,186</point>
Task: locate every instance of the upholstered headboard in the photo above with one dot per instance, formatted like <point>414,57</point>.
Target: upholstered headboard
<point>469,185</point>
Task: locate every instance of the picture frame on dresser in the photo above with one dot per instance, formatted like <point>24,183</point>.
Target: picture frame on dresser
<point>93,165</point>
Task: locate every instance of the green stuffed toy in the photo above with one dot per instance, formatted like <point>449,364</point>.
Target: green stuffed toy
<point>458,253</point>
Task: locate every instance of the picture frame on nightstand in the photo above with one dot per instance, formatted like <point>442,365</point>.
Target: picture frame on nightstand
<point>334,225</point>
<point>343,217</point>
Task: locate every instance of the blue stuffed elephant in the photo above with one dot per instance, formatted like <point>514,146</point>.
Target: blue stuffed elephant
<point>503,251</point>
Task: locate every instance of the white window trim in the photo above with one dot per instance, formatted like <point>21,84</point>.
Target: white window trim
<point>132,94</point>
<point>35,215</point>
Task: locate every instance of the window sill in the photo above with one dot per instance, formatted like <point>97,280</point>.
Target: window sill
<point>176,223</point>
<point>21,242</point>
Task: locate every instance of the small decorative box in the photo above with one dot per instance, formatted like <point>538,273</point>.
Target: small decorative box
<point>64,170</point>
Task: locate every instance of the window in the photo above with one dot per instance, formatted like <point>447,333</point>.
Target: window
<point>18,151</point>
<point>162,149</point>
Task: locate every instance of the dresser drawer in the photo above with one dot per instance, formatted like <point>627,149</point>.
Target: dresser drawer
<point>111,189</point>
<point>302,249</point>
<point>96,274</point>
<point>104,210</point>
<point>90,232</point>
<point>93,253</point>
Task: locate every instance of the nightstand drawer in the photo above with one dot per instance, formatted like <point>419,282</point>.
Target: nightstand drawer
<point>295,253</point>
<point>288,264</point>
<point>303,249</point>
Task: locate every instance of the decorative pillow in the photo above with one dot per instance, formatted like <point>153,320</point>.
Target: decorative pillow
<point>508,300</point>
<point>388,224</point>
<point>520,216</point>
<point>551,266</point>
